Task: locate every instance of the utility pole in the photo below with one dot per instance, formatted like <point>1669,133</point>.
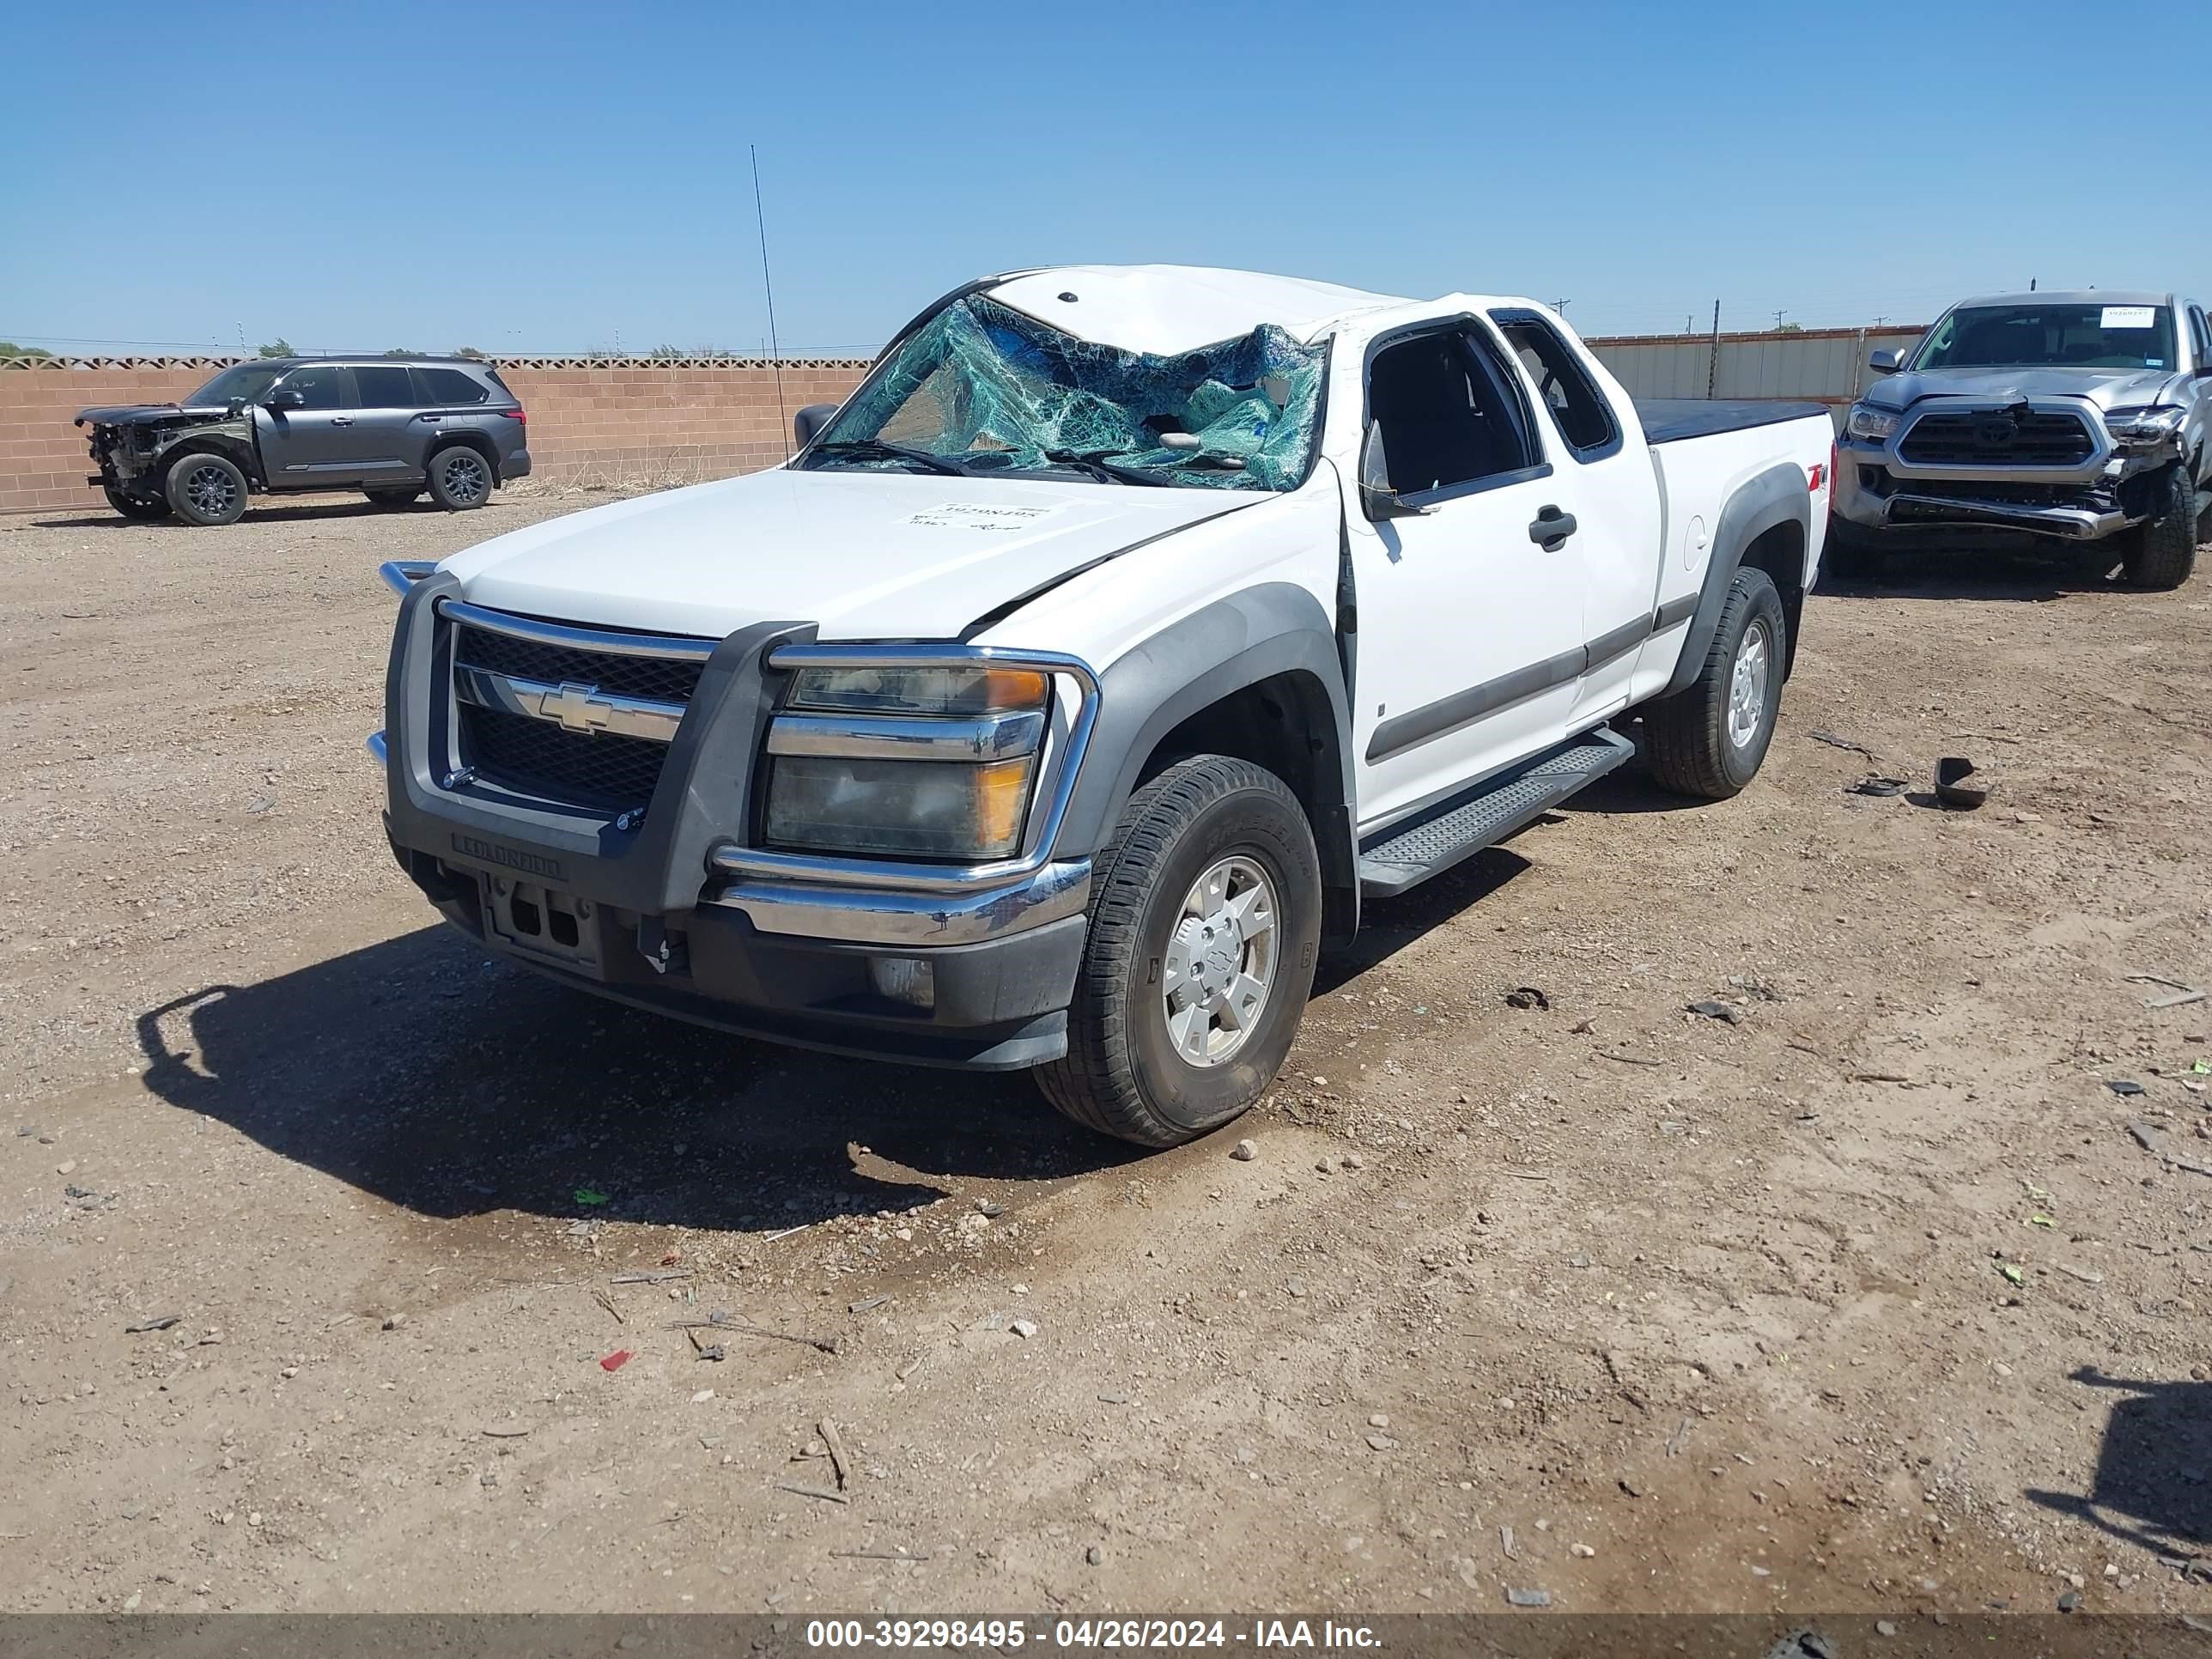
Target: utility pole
<point>1778,316</point>
<point>1713,362</point>
<point>1560,306</point>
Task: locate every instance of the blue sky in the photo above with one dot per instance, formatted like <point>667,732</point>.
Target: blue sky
<point>544,176</point>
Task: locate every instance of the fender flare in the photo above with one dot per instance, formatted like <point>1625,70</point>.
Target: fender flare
<point>1276,629</point>
<point>1778,495</point>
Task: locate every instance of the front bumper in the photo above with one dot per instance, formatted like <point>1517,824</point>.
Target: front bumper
<point>675,915</point>
<point>1876,489</point>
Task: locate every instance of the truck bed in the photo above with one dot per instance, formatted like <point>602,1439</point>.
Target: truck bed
<point>1667,420</point>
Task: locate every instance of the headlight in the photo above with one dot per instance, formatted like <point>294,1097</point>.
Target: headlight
<point>902,808</point>
<point>1872,424</point>
<point>2141,426</point>
<point>929,761</point>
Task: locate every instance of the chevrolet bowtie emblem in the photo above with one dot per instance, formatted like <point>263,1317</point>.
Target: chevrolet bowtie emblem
<point>577,708</point>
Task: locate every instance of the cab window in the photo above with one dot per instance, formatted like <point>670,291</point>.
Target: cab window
<point>1585,420</point>
<point>1448,416</point>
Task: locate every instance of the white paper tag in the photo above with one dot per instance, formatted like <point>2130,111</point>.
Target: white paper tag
<point>2128,317</point>
<point>977,515</point>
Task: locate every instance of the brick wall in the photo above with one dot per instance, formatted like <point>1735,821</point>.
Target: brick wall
<point>622,420</point>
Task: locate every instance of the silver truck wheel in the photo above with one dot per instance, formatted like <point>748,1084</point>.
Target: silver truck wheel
<point>1708,739</point>
<point>2161,553</point>
<point>1204,927</point>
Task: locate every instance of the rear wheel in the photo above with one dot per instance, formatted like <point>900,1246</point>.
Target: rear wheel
<point>145,509</point>
<point>1205,925</point>
<point>2161,553</point>
<point>206,490</point>
<point>460,479</point>
<point>1708,739</point>
<point>389,497</point>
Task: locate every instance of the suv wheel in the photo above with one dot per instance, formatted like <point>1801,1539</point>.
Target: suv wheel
<point>1205,924</point>
<point>206,490</point>
<point>1708,738</point>
<point>144,509</point>
<point>459,478</point>
<point>2161,553</point>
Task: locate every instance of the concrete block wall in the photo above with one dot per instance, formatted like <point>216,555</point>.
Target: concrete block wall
<point>632,420</point>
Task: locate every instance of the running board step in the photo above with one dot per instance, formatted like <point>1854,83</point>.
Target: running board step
<point>1494,810</point>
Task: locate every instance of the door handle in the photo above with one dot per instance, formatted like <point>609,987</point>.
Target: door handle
<point>1550,528</point>
<point>431,419</point>
<point>341,420</point>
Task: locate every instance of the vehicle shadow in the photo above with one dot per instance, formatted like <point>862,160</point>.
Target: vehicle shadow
<point>1387,926</point>
<point>2152,1483</point>
<point>1979,570</point>
<point>420,1071</point>
<point>290,512</point>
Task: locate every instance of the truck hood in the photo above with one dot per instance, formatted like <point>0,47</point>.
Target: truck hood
<point>2107,388</point>
<point>864,555</point>
<point>134,414</point>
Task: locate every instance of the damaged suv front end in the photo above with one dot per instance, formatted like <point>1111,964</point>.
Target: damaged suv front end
<point>2071,417</point>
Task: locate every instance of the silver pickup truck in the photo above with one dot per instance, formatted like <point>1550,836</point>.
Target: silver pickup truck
<point>2079,416</point>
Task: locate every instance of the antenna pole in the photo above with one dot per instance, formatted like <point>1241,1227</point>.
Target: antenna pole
<point>776,351</point>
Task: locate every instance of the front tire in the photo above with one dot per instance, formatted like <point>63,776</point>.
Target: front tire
<point>137,508</point>
<point>1204,929</point>
<point>2161,553</point>
<point>460,479</point>
<point>206,490</point>
<point>1708,739</point>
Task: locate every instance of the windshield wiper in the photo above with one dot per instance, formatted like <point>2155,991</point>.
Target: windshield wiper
<point>875,449</point>
<point>1096,464</point>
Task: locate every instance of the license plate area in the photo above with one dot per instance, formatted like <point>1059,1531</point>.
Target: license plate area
<point>544,921</point>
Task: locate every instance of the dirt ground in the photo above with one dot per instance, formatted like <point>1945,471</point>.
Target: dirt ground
<point>1864,1298</point>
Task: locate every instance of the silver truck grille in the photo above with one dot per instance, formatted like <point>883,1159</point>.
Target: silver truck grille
<point>1997,437</point>
<point>541,712</point>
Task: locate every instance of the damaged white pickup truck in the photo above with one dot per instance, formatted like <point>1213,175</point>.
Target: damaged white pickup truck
<point>1085,670</point>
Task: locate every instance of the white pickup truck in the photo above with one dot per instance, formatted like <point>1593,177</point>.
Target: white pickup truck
<point>1088,668</point>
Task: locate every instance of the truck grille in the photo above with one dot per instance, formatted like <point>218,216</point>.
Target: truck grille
<point>1996,438</point>
<point>600,771</point>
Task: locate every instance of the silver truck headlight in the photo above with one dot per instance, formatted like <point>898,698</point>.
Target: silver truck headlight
<point>2144,427</point>
<point>926,762</point>
<point>1872,424</point>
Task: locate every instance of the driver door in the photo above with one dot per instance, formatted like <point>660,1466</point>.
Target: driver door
<point>1470,626</point>
<point>313,442</point>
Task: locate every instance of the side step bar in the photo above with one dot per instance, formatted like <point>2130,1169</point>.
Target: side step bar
<point>1462,826</point>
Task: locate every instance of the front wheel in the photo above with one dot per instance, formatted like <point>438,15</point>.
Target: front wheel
<point>459,478</point>
<point>142,509</point>
<point>1205,925</point>
<point>2161,553</point>
<point>207,490</point>
<point>1708,739</point>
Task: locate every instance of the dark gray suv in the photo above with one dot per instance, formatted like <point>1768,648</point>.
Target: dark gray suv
<point>391,427</point>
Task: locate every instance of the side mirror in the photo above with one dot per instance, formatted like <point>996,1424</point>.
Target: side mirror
<point>1885,361</point>
<point>1376,499</point>
<point>810,420</point>
<point>284,398</point>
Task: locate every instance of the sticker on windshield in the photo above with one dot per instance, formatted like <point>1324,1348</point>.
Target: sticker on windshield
<point>976,515</point>
<point>2128,317</point>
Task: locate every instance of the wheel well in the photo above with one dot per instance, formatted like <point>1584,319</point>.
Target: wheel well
<point>235,453</point>
<point>475,441</point>
<point>1779,551</point>
<point>1286,724</point>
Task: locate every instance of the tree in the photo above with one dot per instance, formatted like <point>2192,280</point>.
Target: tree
<point>402,351</point>
<point>469,352</point>
<point>279,347</point>
<point>667,351</point>
<point>1789,328</point>
<point>10,349</point>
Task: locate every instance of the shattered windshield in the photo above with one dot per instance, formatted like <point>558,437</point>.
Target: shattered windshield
<point>246,380</point>
<point>2051,337</point>
<point>982,389</point>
